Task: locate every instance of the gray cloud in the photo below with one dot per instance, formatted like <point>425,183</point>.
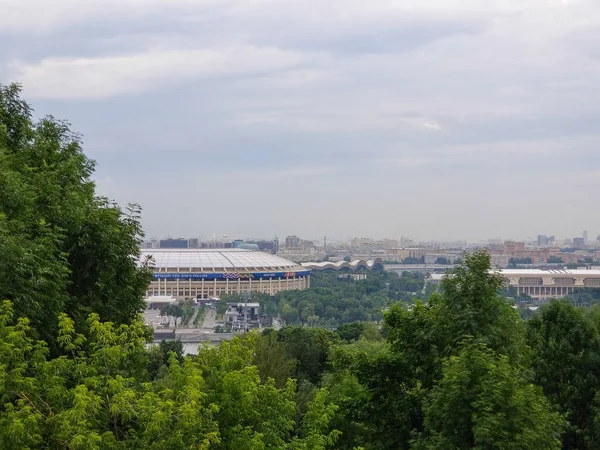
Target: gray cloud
<point>351,117</point>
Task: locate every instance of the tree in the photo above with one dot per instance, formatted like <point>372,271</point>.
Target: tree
<point>469,308</point>
<point>309,347</point>
<point>350,331</point>
<point>63,248</point>
<point>379,403</point>
<point>395,382</point>
<point>565,359</point>
<point>483,402</point>
<point>98,394</point>
<point>271,360</point>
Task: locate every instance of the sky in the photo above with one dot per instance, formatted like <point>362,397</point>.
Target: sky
<point>432,119</point>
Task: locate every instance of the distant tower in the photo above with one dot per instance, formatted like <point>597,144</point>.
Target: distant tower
<point>275,244</point>
<point>324,241</point>
<point>585,237</point>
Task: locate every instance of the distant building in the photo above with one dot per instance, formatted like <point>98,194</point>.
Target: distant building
<point>545,241</point>
<point>244,316</point>
<point>500,261</point>
<point>152,243</point>
<point>193,243</point>
<point>544,285</point>
<point>353,276</point>
<point>442,258</point>
<point>292,242</point>
<point>263,246</point>
<point>174,243</point>
<point>511,247</point>
<point>159,301</point>
<point>368,244</point>
<point>585,237</point>
<point>400,254</point>
<point>496,246</point>
<point>248,246</point>
<point>216,244</point>
<point>578,242</point>
<point>205,274</point>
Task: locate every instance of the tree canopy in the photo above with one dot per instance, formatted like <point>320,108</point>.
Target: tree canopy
<point>64,249</point>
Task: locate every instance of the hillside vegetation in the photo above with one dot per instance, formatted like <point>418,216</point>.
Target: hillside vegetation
<point>458,369</point>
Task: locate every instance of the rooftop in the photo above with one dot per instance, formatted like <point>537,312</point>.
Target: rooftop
<point>535,272</point>
<point>217,259</point>
<point>549,272</point>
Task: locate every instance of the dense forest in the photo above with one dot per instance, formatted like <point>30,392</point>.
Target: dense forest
<point>458,369</point>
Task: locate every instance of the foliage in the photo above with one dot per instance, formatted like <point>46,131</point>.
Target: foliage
<point>555,260</point>
<point>331,302</point>
<point>454,369</point>
<point>100,395</point>
<point>159,355</point>
<point>413,260</point>
<point>483,402</point>
<point>386,389</point>
<point>63,248</point>
<point>308,347</point>
<point>350,331</point>
<point>272,361</point>
<point>566,363</point>
<point>379,406</point>
<point>514,262</point>
<point>174,310</point>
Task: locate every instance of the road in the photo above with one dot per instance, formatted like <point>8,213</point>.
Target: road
<point>209,320</point>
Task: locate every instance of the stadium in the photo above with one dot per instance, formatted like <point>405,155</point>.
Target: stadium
<point>211,273</point>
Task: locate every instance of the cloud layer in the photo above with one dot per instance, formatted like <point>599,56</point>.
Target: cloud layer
<point>429,118</point>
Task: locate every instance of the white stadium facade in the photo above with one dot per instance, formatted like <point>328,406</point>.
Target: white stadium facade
<point>210,273</point>
<point>546,284</point>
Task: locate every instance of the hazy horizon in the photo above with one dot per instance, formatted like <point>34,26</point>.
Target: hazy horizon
<point>436,120</point>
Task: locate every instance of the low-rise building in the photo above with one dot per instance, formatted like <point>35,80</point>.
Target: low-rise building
<point>545,284</point>
<point>244,316</point>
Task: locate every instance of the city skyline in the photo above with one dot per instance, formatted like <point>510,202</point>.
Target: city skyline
<point>216,237</point>
<point>439,120</point>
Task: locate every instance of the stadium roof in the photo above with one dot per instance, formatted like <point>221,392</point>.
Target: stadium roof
<point>342,264</point>
<point>217,259</point>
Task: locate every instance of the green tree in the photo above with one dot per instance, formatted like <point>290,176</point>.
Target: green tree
<point>350,331</point>
<point>271,360</point>
<point>63,248</point>
<point>483,402</point>
<point>566,363</point>
<point>98,395</point>
<point>379,404</point>
<point>309,347</point>
<point>174,310</point>
<point>395,382</point>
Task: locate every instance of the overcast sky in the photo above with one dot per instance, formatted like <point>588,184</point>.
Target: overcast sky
<point>435,119</point>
